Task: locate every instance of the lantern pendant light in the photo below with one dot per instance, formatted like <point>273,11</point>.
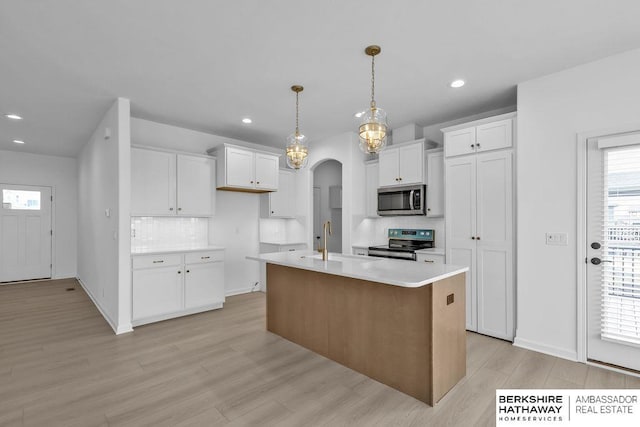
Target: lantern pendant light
<point>373,127</point>
<point>297,151</point>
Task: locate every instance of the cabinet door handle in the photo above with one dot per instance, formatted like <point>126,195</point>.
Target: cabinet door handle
<point>428,209</point>
<point>170,209</point>
<point>291,250</point>
<point>473,237</point>
<point>400,179</point>
<point>158,262</point>
<point>188,271</point>
<point>477,237</point>
<point>179,272</point>
<point>179,209</point>
<point>429,261</point>
<point>205,257</point>
<point>257,182</point>
<point>473,145</point>
<point>251,182</point>
<point>478,145</point>
<point>271,211</point>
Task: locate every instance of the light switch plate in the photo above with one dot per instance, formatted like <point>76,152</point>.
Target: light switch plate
<point>557,239</point>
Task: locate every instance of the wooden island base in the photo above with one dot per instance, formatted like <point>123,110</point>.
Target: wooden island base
<point>411,339</point>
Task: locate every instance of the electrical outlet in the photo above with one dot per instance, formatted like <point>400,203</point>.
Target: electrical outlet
<point>557,239</point>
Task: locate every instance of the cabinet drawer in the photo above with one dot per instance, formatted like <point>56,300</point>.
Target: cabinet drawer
<point>430,259</point>
<point>147,261</point>
<point>292,248</point>
<point>206,256</point>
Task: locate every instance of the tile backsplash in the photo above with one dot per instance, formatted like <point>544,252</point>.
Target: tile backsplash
<point>159,233</point>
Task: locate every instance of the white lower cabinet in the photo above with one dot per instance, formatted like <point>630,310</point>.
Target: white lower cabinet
<point>173,285</point>
<point>430,258</point>
<point>198,281</point>
<point>360,250</point>
<point>156,291</point>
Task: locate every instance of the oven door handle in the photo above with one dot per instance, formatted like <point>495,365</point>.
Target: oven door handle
<point>411,199</point>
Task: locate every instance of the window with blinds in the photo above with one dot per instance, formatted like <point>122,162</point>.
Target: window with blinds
<point>621,246</point>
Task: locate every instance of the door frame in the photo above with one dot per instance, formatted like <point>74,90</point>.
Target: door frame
<point>53,221</point>
<point>581,230</point>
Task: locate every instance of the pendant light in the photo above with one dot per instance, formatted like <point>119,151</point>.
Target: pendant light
<point>373,127</point>
<point>297,151</point>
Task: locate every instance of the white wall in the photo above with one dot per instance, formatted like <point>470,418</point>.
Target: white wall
<point>60,173</point>
<point>552,110</point>
<point>329,174</point>
<point>104,247</point>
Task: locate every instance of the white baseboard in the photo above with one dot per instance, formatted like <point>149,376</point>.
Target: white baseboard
<point>562,353</point>
<point>117,329</point>
<point>238,292</point>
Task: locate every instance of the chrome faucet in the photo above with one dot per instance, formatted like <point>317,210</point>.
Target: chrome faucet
<point>325,251</point>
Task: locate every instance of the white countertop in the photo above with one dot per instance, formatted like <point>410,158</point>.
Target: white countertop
<point>175,250</point>
<point>408,274</point>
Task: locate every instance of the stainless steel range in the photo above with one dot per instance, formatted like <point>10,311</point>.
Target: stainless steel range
<point>403,243</point>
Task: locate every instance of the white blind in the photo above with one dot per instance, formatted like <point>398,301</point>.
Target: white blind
<point>621,246</point>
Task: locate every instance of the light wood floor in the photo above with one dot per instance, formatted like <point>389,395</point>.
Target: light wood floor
<point>61,365</point>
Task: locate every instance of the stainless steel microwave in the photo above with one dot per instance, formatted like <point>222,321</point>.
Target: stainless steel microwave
<point>406,200</point>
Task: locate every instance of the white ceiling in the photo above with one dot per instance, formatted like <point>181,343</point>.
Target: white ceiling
<point>205,64</point>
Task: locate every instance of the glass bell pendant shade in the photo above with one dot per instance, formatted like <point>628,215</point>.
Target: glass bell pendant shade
<point>373,131</point>
<point>297,151</point>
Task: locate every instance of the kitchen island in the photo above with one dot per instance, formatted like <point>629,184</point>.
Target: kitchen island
<point>399,322</point>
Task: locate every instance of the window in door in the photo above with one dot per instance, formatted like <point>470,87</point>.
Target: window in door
<point>620,302</point>
<point>20,199</point>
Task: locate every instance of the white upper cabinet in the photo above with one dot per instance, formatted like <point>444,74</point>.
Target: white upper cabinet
<point>495,135</point>
<point>195,185</point>
<point>461,141</point>
<point>153,182</point>
<point>243,169</point>
<point>239,170</point>
<point>389,159</point>
<point>483,135</point>
<point>402,164</point>
<point>266,172</point>
<point>280,204</point>
<point>435,183</point>
<point>165,183</point>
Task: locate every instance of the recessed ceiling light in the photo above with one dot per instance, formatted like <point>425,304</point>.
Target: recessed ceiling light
<point>247,120</point>
<point>13,116</point>
<point>17,141</point>
<point>457,83</point>
<point>358,114</point>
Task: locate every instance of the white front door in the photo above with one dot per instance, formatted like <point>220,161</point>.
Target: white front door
<point>25,232</point>
<point>613,250</point>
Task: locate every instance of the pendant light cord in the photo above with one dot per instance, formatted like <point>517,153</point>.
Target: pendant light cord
<point>297,129</point>
<point>373,81</point>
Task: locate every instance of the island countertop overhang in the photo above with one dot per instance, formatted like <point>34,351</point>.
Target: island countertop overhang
<point>401,273</point>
